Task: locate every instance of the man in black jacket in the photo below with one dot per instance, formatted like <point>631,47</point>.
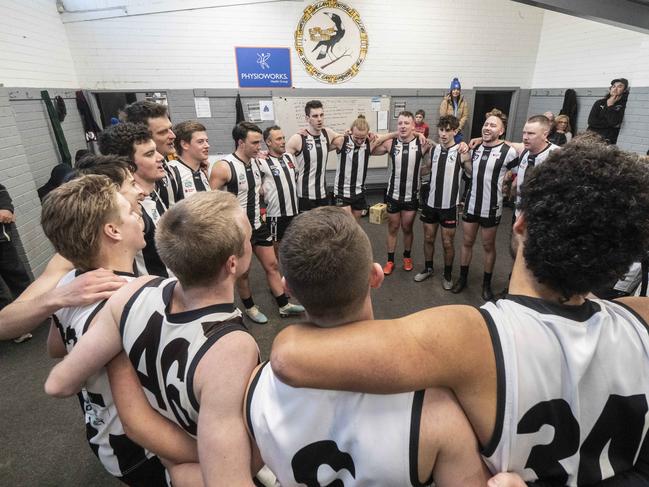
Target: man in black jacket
<point>606,115</point>
<point>12,270</point>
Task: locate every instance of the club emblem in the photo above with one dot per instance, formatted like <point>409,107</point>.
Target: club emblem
<point>331,41</point>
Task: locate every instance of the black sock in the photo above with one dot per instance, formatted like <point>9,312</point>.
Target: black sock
<point>487,278</point>
<point>406,254</point>
<point>447,272</point>
<point>248,302</point>
<point>464,272</point>
<point>429,264</point>
<point>282,300</point>
<point>390,256</point>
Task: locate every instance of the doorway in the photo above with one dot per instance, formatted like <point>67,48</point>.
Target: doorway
<point>111,103</point>
<point>486,100</point>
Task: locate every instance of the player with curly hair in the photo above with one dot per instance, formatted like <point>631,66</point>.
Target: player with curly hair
<point>556,385</point>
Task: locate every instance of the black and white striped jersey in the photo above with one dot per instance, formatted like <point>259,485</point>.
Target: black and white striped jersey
<point>147,260</point>
<point>312,166</point>
<point>352,168</point>
<point>279,185</point>
<point>165,348</point>
<point>575,389</point>
<point>168,188</point>
<point>190,181</point>
<point>405,162</point>
<point>104,430</point>
<point>445,174</point>
<point>245,183</point>
<point>528,161</point>
<point>485,197</point>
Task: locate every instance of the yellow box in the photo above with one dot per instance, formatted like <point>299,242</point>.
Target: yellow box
<point>379,213</point>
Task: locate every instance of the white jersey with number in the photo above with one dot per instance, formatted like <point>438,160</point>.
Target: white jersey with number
<point>528,161</point>
<point>191,182</point>
<point>573,389</point>
<point>485,197</point>
<point>165,348</point>
<point>316,437</point>
<point>105,433</point>
<point>245,183</point>
<point>352,168</point>
<point>312,166</point>
<point>404,169</point>
<point>279,184</point>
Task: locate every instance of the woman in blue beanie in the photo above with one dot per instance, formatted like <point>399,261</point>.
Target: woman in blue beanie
<point>454,104</point>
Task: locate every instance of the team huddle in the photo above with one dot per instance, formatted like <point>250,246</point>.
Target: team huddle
<point>549,383</point>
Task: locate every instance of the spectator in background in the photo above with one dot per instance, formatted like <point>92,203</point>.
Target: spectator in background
<point>12,269</point>
<point>454,104</point>
<point>421,127</point>
<point>561,132</point>
<point>550,116</point>
<point>607,113</point>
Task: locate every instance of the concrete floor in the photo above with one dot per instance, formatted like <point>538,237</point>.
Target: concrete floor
<point>43,440</point>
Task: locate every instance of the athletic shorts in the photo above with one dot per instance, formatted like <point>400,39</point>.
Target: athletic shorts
<point>277,226</point>
<point>482,221</point>
<point>305,204</point>
<point>424,191</point>
<point>357,203</point>
<point>397,206</point>
<point>261,237</point>
<point>446,217</point>
<point>150,473</point>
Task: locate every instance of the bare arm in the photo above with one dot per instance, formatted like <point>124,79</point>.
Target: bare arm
<point>446,346</point>
<point>294,144</point>
<point>223,445</point>
<point>220,175</point>
<point>465,160</point>
<point>96,347</point>
<point>141,422</point>
<point>456,457</point>
<point>42,298</point>
<point>55,346</point>
<point>383,144</point>
<point>332,137</point>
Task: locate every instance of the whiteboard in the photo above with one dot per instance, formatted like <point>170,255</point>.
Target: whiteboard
<point>339,113</point>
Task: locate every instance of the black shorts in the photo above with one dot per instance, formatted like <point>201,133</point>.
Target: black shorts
<point>445,217</point>
<point>305,204</point>
<point>397,206</point>
<point>482,221</point>
<point>261,237</point>
<point>150,473</point>
<point>277,226</point>
<point>357,203</point>
<point>424,191</point>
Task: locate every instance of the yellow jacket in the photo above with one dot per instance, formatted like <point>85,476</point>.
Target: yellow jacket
<point>446,108</point>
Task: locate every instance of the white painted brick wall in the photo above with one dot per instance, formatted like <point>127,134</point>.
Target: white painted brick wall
<point>580,53</point>
<point>415,43</point>
<point>15,175</point>
<point>34,48</point>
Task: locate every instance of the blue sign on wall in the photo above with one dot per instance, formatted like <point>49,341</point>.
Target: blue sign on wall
<point>259,67</point>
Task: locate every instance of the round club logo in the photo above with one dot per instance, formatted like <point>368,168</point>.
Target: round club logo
<point>331,41</point>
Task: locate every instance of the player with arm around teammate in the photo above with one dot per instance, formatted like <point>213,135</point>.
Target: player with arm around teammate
<point>239,174</point>
<point>491,161</point>
<point>278,184</point>
<point>440,207</point>
<point>540,374</point>
<point>187,325</point>
<point>406,153</point>
<point>91,224</point>
<point>311,149</point>
<point>315,437</point>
